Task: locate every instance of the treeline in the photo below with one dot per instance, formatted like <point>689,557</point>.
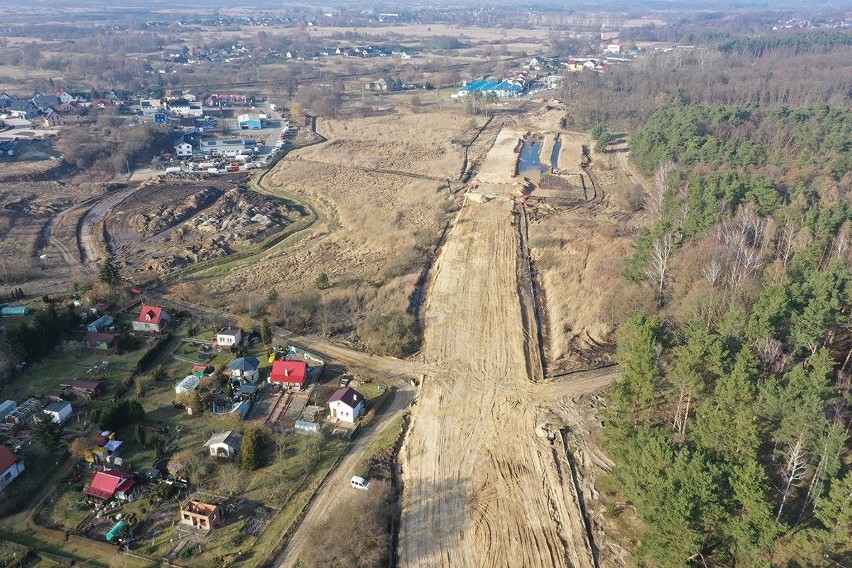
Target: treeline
<point>30,341</point>
<point>625,96</point>
<point>746,137</point>
<point>793,43</point>
<point>730,423</point>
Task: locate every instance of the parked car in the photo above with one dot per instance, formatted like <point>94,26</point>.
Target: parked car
<point>360,483</point>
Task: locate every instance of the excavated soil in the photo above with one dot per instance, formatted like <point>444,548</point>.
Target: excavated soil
<point>482,484</point>
<point>168,224</point>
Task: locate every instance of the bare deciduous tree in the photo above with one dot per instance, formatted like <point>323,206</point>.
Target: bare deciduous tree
<point>793,472</point>
<point>654,199</point>
<point>712,271</point>
<point>768,350</point>
<point>661,251</point>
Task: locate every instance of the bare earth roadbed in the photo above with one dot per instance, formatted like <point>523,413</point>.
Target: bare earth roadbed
<point>480,488</point>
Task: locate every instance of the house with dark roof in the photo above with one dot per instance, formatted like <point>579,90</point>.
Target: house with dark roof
<point>88,388</point>
<point>152,318</point>
<point>245,369</point>
<point>111,483</point>
<point>10,467</point>
<point>101,341</point>
<point>44,102</point>
<point>22,108</point>
<point>346,405</point>
<point>289,374</point>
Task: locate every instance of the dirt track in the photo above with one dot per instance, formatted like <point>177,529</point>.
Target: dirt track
<point>481,488</point>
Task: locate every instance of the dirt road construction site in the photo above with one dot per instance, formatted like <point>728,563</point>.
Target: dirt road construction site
<point>485,482</point>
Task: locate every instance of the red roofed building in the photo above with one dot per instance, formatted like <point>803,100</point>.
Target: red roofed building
<point>292,374</point>
<point>10,467</point>
<point>108,484</point>
<point>152,318</point>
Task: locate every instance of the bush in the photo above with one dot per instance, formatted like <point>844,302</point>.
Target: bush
<point>394,333</point>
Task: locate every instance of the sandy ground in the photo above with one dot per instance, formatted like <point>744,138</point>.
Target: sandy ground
<point>480,487</point>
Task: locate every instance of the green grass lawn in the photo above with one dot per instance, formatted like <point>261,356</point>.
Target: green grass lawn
<point>66,509</point>
<point>45,375</point>
<point>276,492</point>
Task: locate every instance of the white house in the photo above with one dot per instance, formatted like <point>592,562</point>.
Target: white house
<point>10,467</point>
<point>224,444</point>
<point>59,411</point>
<point>184,107</point>
<point>346,405</point>
<point>229,337</point>
<point>184,149</point>
<point>65,97</point>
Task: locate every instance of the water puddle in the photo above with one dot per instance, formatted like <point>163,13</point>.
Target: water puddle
<point>554,157</point>
<point>530,159</point>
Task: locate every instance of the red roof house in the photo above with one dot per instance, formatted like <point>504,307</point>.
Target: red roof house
<point>109,484</point>
<point>152,318</point>
<point>10,467</point>
<point>292,374</point>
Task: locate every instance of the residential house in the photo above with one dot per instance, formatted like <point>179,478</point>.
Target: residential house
<point>245,369</point>
<point>65,97</point>
<point>229,337</point>
<point>183,150</point>
<point>249,122</point>
<point>103,322</point>
<point>111,483</point>
<point>346,405</point>
<point>59,411</point>
<point>6,409</point>
<point>88,388</point>
<point>51,118</point>
<point>44,102</point>
<point>101,103</point>
<point>204,516</point>
<point>289,374</point>
<point>22,109</point>
<point>224,444</point>
<point>5,100</point>
<point>150,107</point>
<point>100,341</point>
<point>384,84</point>
<point>10,467</point>
<point>152,318</point>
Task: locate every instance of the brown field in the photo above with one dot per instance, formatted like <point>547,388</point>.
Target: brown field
<point>381,209</point>
<point>483,487</point>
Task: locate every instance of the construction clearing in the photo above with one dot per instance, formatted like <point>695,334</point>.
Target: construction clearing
<point>483,484</point>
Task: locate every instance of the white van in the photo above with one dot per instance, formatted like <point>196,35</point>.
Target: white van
<point>359,483</point>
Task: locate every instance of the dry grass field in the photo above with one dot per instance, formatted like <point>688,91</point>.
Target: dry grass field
<point>379,184</point>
